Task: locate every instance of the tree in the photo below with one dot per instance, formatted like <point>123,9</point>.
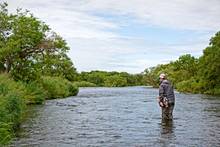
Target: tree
<point>187,63</point>
<point>151,76</point>
<point>115,81</point>
<point>210,64</point>
<point>96,77</point>
<point>28,47</point>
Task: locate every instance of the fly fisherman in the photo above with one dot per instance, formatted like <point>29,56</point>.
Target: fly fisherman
<point>166,98</point>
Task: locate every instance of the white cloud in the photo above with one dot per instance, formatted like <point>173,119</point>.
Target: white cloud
<point>66,19</point>
<point>187,14</point>
<point>96,44</point>
<point>127,55</point>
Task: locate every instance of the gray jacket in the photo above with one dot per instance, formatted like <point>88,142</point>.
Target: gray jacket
<point>166,90</point>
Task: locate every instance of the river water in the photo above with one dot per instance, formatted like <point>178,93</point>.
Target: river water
<point>121,117</point>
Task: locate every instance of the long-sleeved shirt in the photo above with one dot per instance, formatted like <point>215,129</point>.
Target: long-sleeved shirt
<point>166,90</point>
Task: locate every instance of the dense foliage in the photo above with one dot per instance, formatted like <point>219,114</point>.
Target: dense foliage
<point>14,96</point>
<point>190,74</point>
<point>84,84</point>
<point>57,87</point>
<point>209,69</point>
<point>12,104</point>
<point>29,49</point>
<point>110,79</point>
<point>34,66</point>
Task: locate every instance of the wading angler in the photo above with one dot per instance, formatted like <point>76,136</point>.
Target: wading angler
<point>166,98</point>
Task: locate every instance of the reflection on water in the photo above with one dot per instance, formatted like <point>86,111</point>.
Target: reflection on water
<point>167,133</point>
<point>124,117</point>
<point>166,127</point>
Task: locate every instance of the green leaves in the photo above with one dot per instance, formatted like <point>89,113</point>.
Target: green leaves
<point>57,87</point>
<point>210,66</point>
<point>14,96</point>
<point>12,106</point>
<point>190,74</point>
<point>109,79</point>
<point>28,48</point>
<point>30,51</point>
<point>115,81</point>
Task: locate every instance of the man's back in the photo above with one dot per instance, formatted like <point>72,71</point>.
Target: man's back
<point>166,90</point>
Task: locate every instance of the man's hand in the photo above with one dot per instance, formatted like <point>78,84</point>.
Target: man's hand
<point>158,99</point>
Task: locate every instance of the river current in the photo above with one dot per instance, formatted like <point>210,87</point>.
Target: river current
<point>121,117</point>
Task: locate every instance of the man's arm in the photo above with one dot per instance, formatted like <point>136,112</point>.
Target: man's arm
<point>161,91</point>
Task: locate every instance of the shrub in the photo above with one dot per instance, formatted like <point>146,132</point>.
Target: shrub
<point>85,84</point>
<point>57,87</point>
<point>192,85</point>
<point>215,91</point>
<point>15,95</point>
<point>12,106</point>
<point>35,94</point>
<point>73,89</point>
<point>5,133</point>
<point>184,86</point>
<point>115,81</point>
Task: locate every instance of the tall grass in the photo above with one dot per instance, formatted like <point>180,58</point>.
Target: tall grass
<point>12,106</point>
<point>57,87</point>
<point>34,93</point>
<point>14,96</point>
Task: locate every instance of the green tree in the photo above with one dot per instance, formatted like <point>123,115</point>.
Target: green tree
<point>210,66</point>
<point>96,77</point>
<point>115,81</point>
<point>28,47</point>
<point>151,75</point>
<point>99,78</point>
<point>187,63</point>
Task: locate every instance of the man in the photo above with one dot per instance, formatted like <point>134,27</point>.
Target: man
<point>166,98</point>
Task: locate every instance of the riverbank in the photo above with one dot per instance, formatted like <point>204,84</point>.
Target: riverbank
<point>16,95</point>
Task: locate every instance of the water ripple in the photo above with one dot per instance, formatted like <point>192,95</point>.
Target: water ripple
<point>121,117</point>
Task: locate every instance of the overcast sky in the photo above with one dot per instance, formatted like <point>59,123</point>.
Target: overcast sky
<point>128,35</point>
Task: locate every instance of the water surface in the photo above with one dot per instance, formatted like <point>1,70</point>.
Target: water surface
<point>126,117</point>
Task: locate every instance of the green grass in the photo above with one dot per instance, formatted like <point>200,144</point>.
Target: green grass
<point>16,95</point>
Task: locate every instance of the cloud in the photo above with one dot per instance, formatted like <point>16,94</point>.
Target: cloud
<point>114,54</point>
<point>66,20</point>
<point>192,15</point>
<point>92,29</point>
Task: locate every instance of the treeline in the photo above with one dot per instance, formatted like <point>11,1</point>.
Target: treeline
<point>34,66</point>
<point>190,74</point>
<point>108,79</point>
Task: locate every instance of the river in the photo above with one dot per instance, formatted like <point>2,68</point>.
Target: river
<point>121,117</point>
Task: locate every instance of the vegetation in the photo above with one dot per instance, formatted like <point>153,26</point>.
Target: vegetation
<point>110,79</point>
<point>57,87</point>
<point>12,105</point>
<point>84,84</point>
<point>29,49</point>
<point>34,66</point>
<point>190,74</point>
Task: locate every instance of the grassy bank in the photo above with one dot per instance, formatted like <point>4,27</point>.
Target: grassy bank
<point>15,96</point>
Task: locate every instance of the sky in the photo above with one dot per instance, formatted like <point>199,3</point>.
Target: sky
<point>128,35</point>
